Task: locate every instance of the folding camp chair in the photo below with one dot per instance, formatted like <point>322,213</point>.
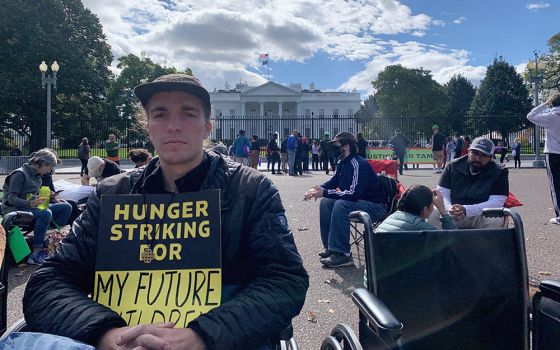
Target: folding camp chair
<point>451,289</point>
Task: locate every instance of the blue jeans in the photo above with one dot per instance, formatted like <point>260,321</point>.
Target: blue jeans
<point>292,161</point>
<point>335,224</point>
<point>36,341</point>
<point>59,212</point>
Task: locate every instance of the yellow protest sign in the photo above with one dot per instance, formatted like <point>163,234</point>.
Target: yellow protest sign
<point>159,256</point>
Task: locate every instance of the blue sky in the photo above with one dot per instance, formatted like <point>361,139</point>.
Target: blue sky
<point>337,44</point>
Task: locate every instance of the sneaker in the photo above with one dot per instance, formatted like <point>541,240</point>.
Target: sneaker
<point>555,221</point>
<point>337,260</point>
<point>326,253</point>
<point>36,258</point>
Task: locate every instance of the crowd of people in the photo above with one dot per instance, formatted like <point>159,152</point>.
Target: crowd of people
<point>264,281</point>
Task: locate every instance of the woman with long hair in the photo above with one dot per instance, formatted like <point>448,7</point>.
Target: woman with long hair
<point>415,206</point>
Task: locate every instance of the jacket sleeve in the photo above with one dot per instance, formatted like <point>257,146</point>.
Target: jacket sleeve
<point>56,297</point>
<point>541,118</point>
<point>278,285</point>
<point>357,184</point>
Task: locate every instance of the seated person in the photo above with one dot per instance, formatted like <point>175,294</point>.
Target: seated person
<point>263,279</point>
<point>354,186</point>
<point>21,192</point>
<point>472,183</point>
<point>413,209</point>
<point>99,169</point>
<point>140,157</point>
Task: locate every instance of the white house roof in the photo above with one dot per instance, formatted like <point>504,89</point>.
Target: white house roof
<point>271,88</point>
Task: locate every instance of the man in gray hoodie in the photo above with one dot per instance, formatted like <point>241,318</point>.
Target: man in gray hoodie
<point>547,115</point>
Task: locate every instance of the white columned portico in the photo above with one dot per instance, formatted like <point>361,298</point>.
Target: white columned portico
<point>280,109</point>
<point>242,108</point>
<point>262,108</point>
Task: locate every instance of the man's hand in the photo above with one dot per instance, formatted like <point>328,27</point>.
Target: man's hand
<point>315,192</point>
<point>154,337</point>
<point>35,202</point>
<point>458,211</point>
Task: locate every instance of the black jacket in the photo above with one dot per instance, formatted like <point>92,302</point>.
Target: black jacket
<point>468,189</point>
<point>263,279</point>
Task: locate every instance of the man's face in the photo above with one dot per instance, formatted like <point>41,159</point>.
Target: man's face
<point>435,131</point>
<point>111,137</point>
<point>477,159</point>
<point>177,126</point>
<point>294,132</point>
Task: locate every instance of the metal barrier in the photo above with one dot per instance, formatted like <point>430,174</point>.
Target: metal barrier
<point>11,163</point>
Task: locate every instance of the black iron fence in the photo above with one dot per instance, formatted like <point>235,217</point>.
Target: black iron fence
<point>67,135</point>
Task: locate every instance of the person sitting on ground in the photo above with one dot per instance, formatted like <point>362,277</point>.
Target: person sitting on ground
<point>221,148</point>
<point>99,169</point>
<point>21,192</point>
<point>140,157</point>
<point>415,206</point>
<point>354,186</point>
<point>472,183</point>
<point>263,281</point>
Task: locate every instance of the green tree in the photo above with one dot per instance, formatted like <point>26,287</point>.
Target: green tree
<point>501,102</point>
<point>134,70</point>
<point>367,109</point>
<point>50,30</point>
<point>413,99</point>
<point>460,92</point>
<point>552,64</point>
<point>403,91</point>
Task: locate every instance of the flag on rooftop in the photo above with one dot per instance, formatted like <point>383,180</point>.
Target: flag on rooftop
<point>263,57</point>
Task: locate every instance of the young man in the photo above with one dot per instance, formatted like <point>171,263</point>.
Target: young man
<point>547,115</point>
<point>354,186</point>
<point>263,279</point>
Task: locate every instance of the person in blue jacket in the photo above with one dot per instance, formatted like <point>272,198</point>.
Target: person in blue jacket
<point>354,186</point>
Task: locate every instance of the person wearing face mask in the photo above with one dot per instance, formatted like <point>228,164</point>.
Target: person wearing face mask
<point>472,183</point>
<point>354,186</point>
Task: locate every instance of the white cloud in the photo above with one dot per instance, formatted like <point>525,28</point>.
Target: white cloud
<point>520,68</point>
<point>442,62</point>
<point>537,6</point>
<point>459,20</point>
<point>220,39</point>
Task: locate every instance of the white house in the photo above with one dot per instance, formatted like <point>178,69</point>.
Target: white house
<point>275,108</point>
<point>276,100</point>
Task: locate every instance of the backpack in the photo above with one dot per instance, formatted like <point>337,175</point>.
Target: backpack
<point>391,192</point>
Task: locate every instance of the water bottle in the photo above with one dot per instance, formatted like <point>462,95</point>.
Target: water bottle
<point>45,194</point>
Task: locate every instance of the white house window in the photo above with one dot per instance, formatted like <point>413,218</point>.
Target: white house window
<point>232,112</point>
<point>335,112</point>
<point>307,112</point>
<point>350,112</point>
<point>321,112</point>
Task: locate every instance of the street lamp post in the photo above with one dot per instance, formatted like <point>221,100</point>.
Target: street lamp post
<point>536,79</point>
<point>48,81</point>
